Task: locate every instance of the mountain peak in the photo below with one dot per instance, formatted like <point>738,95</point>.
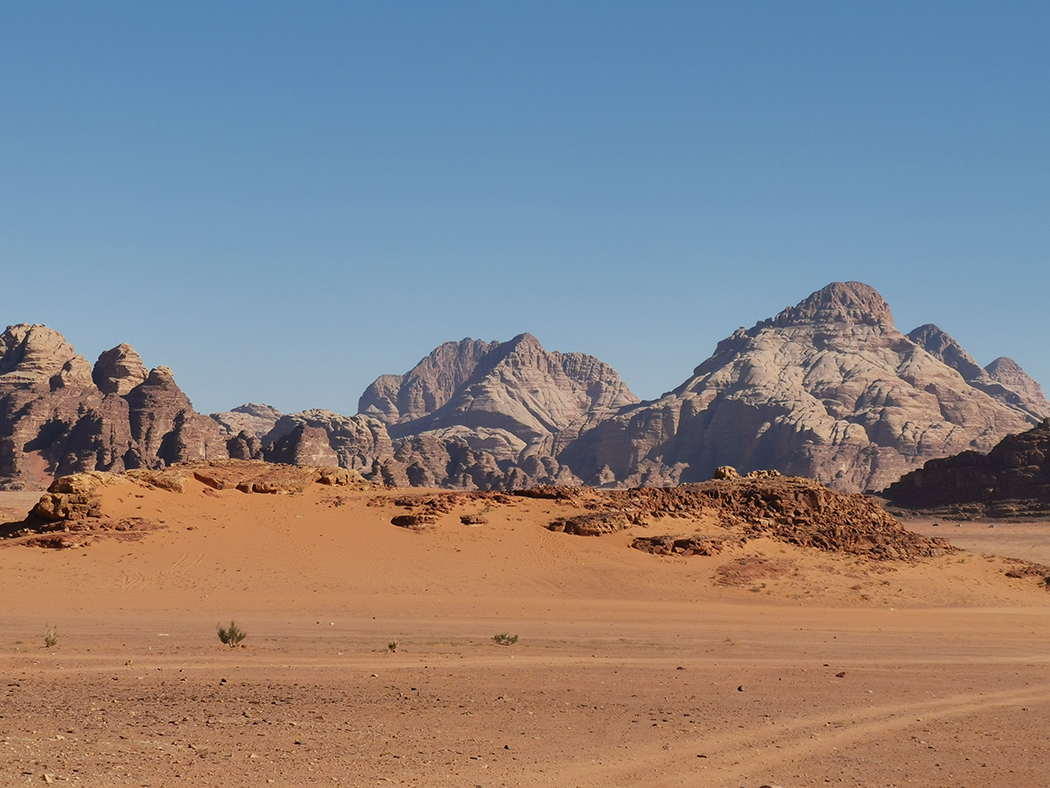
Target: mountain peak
<point>941,345</point>
<point>839,302</point>
<point>119,370</point>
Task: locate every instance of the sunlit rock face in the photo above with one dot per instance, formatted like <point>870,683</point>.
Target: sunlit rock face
<point>60,416</point>
<point>828,389</point>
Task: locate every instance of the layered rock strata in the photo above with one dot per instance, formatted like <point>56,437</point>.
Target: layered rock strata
<point>828,389</point>
<point>1013,479</point>
<point>472,414</point>
<point>59,416</point>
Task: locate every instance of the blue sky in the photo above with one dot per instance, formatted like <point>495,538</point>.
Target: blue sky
<point>282,201</point>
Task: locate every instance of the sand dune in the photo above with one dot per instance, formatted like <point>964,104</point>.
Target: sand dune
<point>630,669</point>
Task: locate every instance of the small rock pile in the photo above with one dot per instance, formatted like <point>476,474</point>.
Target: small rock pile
<point>425,509</point>
<point>591,524</point>
<point>70,514</point>
<point>249,476</point>
<point>795,510</point>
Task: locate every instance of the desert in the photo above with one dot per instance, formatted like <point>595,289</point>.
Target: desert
<point>491,395</point>
<point>370,656</point>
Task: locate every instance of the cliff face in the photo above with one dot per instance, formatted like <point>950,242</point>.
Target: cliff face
<point>828,389</point>
<point>1016,470</point>
<point>60,416</point>
<point>471,414</point>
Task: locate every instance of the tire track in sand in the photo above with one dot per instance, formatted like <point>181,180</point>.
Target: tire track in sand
<point>764,747</point>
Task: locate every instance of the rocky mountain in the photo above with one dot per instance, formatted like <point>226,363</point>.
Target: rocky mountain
<point>427,386</point>
<point>517,387</point>
<point>58,415</point>
<point>1003,378</point>
<point>471,414</point>
<point>828,389</point>
<point>1030,394</point>
<point>1011,479</point>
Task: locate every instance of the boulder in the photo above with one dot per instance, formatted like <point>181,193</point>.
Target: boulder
<point>119,370</point>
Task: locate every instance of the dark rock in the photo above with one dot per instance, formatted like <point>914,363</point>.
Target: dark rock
<point>593,524</point>
<point>1011,480</point>
<point>119,370</point>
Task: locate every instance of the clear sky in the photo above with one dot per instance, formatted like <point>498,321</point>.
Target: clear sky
<point>282,201</point>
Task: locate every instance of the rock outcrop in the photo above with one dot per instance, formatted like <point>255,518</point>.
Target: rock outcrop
<point>472,414</point>
<point>1003,378</point>
<point>245,427</point>
<point>46,395</point>
<point>827,389</point>
<point>119,370</point>
<point>321,437</point>
<point>251,419</point>
<point>1012,479</point>
<point>59,416</point>
<point>793,510</point>
<point>164,427</point>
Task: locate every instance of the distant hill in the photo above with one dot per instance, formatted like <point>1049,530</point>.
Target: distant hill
<point>828,389</point>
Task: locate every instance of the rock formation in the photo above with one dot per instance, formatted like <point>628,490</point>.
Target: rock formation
<point>827,389</point>
<point>1009,373</point>
<point>119,370</point>
<point>793,510</point>
<point>515,388</point>
<point>245,427</point>
<point>427,386</point>
<point>1003,378</point>
<point>1011,479</point>
<point>58,416</point>
<point>251,419</point>
<point>472,414</point>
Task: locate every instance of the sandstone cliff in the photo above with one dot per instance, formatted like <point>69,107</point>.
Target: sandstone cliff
<point>828,389</point>
<point>1011,479</point>
<point>471,414</point>
<point>60,416</point>
<point>1003,378</point>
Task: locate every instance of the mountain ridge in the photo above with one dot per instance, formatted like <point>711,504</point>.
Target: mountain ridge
<point>826,388</point>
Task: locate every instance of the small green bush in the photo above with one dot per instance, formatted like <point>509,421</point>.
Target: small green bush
<point>50,636</point>
<point>231,635</point>
<point>505,639</point>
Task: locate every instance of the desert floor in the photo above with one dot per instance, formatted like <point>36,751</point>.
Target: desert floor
<point>630,669</point>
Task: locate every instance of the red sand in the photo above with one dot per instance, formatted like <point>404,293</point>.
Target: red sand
<point>630,669</point>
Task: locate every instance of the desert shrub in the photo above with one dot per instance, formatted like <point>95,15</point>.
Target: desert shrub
<point>231,635</point>
<point>50,636</point>
<point>505,639</point>
<point>392,645</point>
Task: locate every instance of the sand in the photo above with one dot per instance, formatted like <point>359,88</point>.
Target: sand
<point>629,669</point>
